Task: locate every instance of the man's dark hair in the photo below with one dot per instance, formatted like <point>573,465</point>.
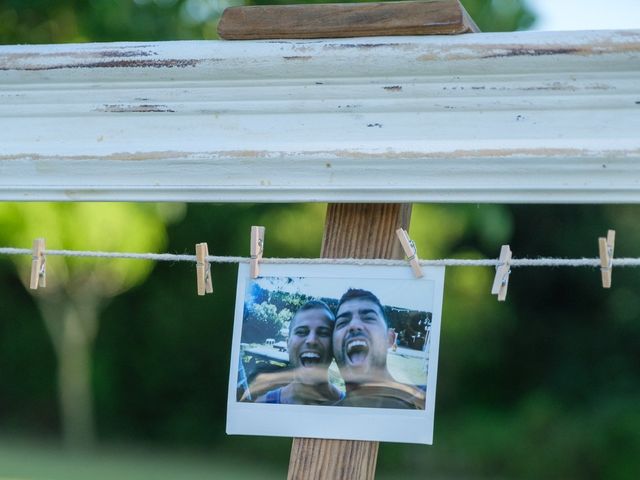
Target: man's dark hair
<point>358,293</point>
<point>313,305</point>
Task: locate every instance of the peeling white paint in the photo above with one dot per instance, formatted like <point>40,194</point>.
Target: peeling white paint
<point>502,117</point>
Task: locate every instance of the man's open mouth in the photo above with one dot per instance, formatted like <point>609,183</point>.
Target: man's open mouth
<point>309,359</point>
<point>357,351</point>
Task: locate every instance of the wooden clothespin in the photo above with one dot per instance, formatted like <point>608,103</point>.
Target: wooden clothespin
<point>410,251</point>
<point>501,281</point>
<point>203,269</point>
<point>38,267</point>
<point>606,245</point>
<point>257,249</point>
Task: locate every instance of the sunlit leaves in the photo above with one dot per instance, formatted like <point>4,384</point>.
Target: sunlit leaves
<point>119,227</point>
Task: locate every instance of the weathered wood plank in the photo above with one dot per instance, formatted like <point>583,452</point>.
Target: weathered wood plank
<point>360,230</point>
<point>433,17</point>
<point>351,231</point>
<point>313,459</point>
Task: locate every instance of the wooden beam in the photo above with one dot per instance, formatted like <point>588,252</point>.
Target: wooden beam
<point>482,117</point>
<point>351,231</point>
<point>433,17</point>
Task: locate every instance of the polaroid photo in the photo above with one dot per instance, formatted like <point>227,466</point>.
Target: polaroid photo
<point>336,351</point>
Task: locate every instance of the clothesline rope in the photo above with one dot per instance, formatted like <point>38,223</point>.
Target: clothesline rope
<point>446,262</point>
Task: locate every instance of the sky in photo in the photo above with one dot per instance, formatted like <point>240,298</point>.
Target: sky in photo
<point>405,293</point>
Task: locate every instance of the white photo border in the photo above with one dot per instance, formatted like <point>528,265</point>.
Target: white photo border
<point>345,423</point>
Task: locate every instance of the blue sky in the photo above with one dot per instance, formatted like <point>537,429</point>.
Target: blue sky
<point>585,14</point>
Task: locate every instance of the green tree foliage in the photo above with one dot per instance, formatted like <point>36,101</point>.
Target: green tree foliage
<point>78,289</point>
<point>262,321</point>
<point>64,21</point>
<point>268,312</point>
<point>289,301</point>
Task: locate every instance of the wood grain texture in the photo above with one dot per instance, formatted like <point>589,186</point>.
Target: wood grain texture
<point>354,230</point>
<point>314,459</point>
<point>336,20</point>
<point>364,230</point>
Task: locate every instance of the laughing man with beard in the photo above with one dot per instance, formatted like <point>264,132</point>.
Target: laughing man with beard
<point>310,354</point>
<point>361,339</point>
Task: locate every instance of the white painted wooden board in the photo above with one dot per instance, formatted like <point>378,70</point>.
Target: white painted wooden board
<point>544,117</point>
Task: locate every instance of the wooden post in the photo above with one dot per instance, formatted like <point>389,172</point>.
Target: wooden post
<point>351,231</point>
<point>359,231</point>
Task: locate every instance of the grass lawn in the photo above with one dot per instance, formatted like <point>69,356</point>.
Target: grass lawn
<point>21,461</point>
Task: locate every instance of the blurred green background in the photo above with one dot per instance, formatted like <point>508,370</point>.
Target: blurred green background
<point>545,385</point>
